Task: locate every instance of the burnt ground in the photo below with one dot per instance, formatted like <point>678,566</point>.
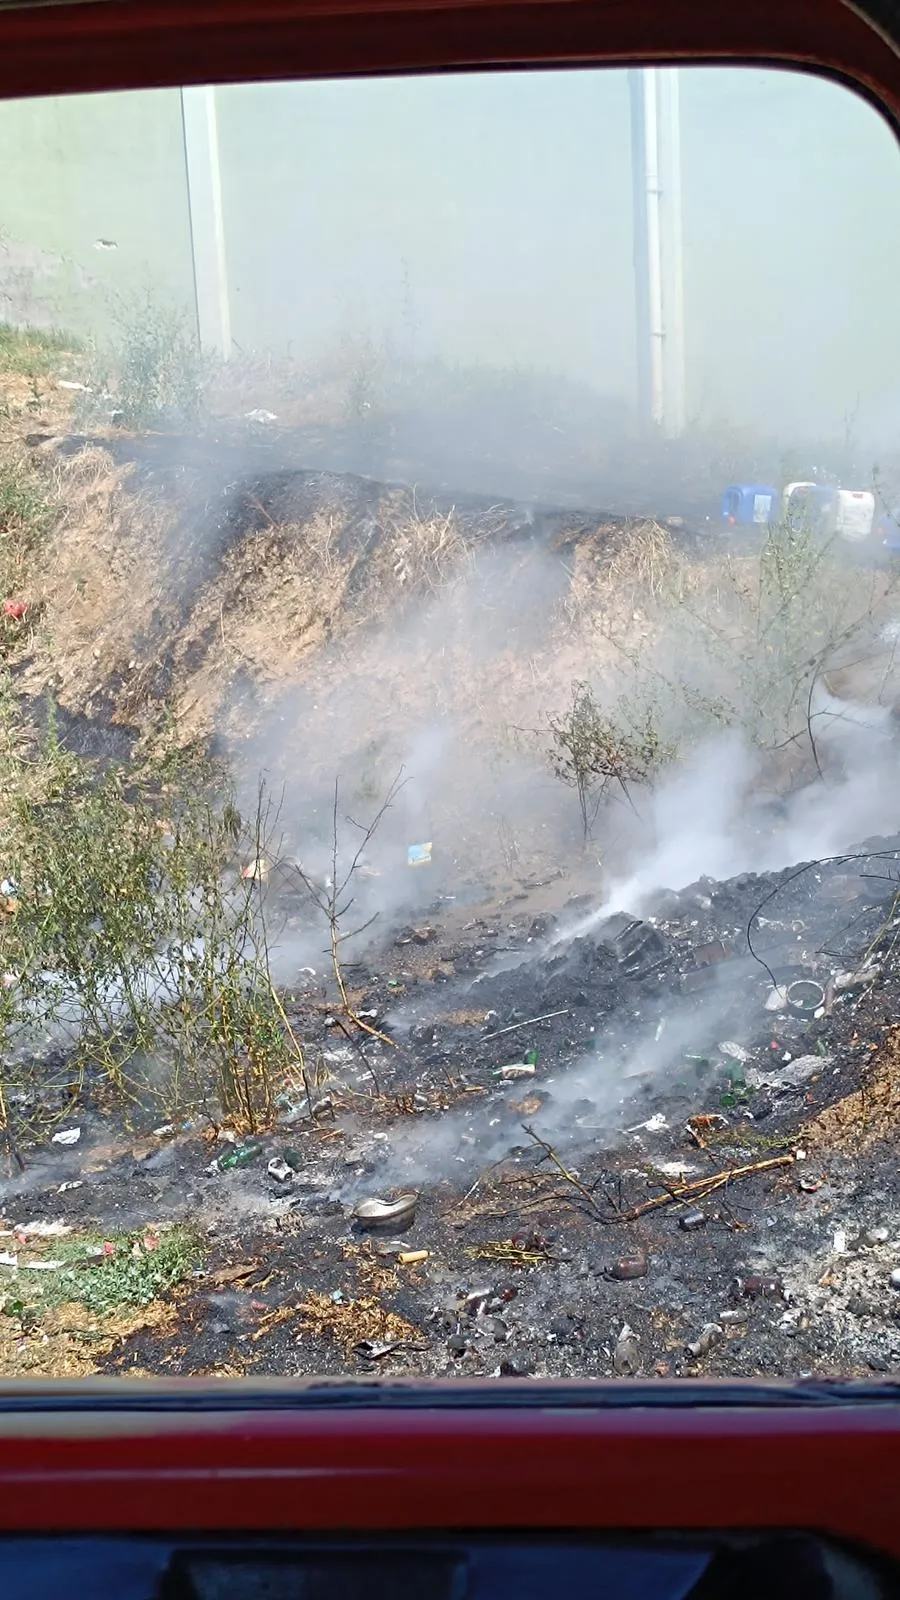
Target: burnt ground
<point>672,1164</point>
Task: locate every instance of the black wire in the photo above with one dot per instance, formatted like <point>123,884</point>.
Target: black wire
<point>823,861</point>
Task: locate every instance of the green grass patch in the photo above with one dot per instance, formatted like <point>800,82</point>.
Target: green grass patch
<point>35,351</point>
<point>26,512</point>
<point>104,1273</point>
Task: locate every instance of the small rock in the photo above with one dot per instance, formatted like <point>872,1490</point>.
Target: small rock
<point>495,1328</point>
<point>458,1344</point>
<point>870,1237</point>
<point>565,1328</point>
<point>762,1288</point>
<point>516,1365</point>
<point>810,1182</point>
<point>895,1278</point>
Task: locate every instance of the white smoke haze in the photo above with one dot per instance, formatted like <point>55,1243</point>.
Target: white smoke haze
<point>708,819</point>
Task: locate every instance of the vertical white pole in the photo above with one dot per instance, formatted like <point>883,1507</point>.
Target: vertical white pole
<point>647,243</point>
<point>204,182</point>
<point>672,248</point>
<point>654,244</point>
<point>640,256</point>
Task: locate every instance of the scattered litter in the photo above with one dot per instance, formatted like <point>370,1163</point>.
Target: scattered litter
<point>518,1069</point>
<point>68,383</point>
<point>8,1259</point>
<point>241,1156</point>
<point>42,1266</point>
<point>736,1052</point>
<point>67,1136</point>
<point>15,609</point>
<point>74,1183</point>
<point>733,1318</point>
<point>793,1075</point>
<point>256,871</point>
<point>801,1069</point>
<point>377,1213</point>
<point>372,1350</point>
<point>390,1248</point>
<point>870,1238</point>
<point>654,1124</point>
<point>9,887</point>
<point>840,1242</point>
<point>164,1132</point>
<point>711,1334</point>
<point>895,1278</point>
<point>692,1220</point>
<point>854,980</point>
<point>805,996</point>
<point>418,855</point>
<point>626,1355</point>
<point>702,1125</point>
<point>42,1230</point>
<point>411,1258</point>
<point>628,1267</point>
<point>260,415</point>
<point>514,1026</point>
<point>777,998</point>
<point>279,1170</point>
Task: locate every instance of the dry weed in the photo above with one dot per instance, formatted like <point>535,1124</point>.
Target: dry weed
<point>69,1342</point>
<point>351,1322</point>
<point>867,1117</point>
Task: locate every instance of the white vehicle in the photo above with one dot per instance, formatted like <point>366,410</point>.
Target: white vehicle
<point>843,513</point>
<point>851,514</point>
<point>802,504</point>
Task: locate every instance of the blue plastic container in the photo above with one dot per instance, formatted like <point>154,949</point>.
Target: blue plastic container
<point>747,505</point>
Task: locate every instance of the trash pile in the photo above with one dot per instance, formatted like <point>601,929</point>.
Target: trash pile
<point>615,1148</point>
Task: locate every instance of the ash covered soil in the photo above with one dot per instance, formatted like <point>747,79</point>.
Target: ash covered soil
<point>685,1166</point>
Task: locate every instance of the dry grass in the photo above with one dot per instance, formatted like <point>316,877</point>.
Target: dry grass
<point>350,1322</point>
<point>869,1116</point>
<point>644,564</point>
<point>69,1342</point>
<point>99,579</point>
<point>424,552</point>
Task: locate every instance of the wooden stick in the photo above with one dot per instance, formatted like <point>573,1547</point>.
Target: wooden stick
<point>514,1026</point>
<point>701,1187</point>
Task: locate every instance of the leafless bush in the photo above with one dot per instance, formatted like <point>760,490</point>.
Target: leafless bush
<point>593,749</point>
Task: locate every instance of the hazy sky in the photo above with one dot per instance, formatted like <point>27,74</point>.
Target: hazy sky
<point>505,203</point>
<point>494,213</point>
